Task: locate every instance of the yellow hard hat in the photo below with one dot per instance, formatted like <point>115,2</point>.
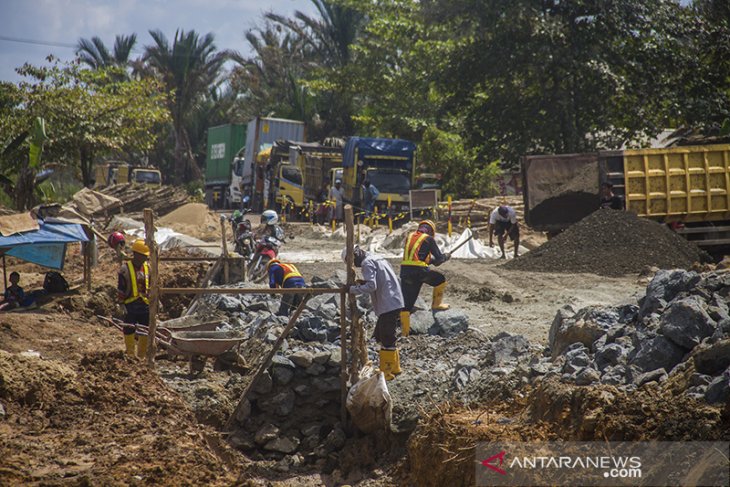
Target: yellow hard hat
<point>140,247</point>
<point>430,224</point>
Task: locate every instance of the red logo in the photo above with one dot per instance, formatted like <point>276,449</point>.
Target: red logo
<point>488,462</point>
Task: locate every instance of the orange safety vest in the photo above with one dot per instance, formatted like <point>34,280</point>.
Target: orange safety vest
<point>135,290</point>
<point>289,271</point>
<point>413,245</point>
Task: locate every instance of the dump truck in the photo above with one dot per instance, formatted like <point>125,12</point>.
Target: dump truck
<point>389,164</point>
<point>299,172</point>
<point>117,172</point>
<point>686,187</point>
<point>258,174</point>
<point>224,164</point>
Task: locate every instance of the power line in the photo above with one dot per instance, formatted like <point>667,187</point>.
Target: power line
<point>37,42</point>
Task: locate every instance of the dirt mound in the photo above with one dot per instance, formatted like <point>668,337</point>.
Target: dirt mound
<point>441,451</point>
<point>610,243</point>
<point>88,423</point>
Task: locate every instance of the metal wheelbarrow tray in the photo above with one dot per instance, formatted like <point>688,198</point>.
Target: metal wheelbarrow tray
<point>209,343</point>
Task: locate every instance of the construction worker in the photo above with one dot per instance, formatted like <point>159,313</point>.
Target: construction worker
<point>337,195</point>
<point>117,242</point>
<point>421,250</point>
<point>286,276</point>
<point>381,283</point>
<point>504,220</point>
<point>133,290</point>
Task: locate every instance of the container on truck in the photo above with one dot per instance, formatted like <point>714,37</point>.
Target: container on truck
<point>319,165</point>
<point>389,164</point>
<point>224,166</point>
<point>687,187</point>
<point>261,133</point>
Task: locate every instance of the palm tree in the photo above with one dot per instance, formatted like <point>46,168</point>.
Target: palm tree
<point>188,68</point>
<point>271,79</point>
<point>94,53</point>
<point>330,35</point>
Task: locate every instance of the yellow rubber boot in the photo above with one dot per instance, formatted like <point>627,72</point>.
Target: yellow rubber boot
<point>438,297</point>
<point>129,343</point>
<point>141,346</point>
<point>396,365</point>
<point>405,323</point>
<point>387,361</point>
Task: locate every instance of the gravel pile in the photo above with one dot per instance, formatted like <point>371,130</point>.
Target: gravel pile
<point>611,243</point>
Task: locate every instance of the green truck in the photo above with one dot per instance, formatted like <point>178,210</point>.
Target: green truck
<point>224,166</point>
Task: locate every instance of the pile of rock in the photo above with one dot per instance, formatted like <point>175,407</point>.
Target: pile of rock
<point>681,327</point>
<point>293,413</point>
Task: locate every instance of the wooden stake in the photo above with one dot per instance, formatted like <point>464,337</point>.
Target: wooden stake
<point>5,275</point>
<point>350,262</point>
<point>224,245</point>
<point>149,229</point>
<point>343,358</point>
<point>266,362</point>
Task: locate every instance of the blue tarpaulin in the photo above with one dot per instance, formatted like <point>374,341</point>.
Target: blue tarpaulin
<point>377,150</point>
<point>45,246</point>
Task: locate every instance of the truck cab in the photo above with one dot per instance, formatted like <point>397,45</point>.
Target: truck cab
<point>146,176</point>
<point>389,165</point>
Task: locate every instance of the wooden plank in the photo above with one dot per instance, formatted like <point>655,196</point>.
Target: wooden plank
<point>256,290</point>
<point>265,364</point>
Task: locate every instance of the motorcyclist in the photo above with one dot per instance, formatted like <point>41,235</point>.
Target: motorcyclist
<point>269,220</point>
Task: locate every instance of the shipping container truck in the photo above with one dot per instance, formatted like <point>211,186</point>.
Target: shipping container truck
<point>389,164</point>
<point>224,166</point>
<point>261,133</point>
<point>687,187</point>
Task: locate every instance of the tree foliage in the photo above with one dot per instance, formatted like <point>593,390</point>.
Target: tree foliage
<point>88,114</point>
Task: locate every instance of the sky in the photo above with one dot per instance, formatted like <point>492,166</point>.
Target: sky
<point>63,22</point>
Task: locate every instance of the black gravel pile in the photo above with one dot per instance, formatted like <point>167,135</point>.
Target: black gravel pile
<point>611,243</point>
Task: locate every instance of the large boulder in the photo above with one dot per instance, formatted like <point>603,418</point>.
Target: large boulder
<point>657,353</point>
<point>718,391</point>
<point>507,350</point>
<point>586,326</point>
<point>686,322</point>
<point>421,322</point>
<point>713,358</point>
<point>664,287</point>
<point>610,355</point>
<point>448,323</point>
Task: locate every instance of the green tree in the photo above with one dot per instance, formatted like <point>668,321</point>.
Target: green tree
<point>88,113</point>
<point>188,68</point>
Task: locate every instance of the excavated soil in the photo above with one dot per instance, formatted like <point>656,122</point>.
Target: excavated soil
<point>102,420</point>
<point>611,243</point>
<point>441,451</point>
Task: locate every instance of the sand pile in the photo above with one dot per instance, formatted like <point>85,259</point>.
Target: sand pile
<point>611,243</point>
<point>196,220</point>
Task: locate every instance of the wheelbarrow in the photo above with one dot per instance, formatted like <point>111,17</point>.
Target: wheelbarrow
<point>198,342</point>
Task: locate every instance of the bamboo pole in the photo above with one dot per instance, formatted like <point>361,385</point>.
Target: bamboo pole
<point>255,290</point>
<point>197,259</point>
<point>224,245</point>
<point>5,275</point>
<point>266,362</point>
<point>149,229</point>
